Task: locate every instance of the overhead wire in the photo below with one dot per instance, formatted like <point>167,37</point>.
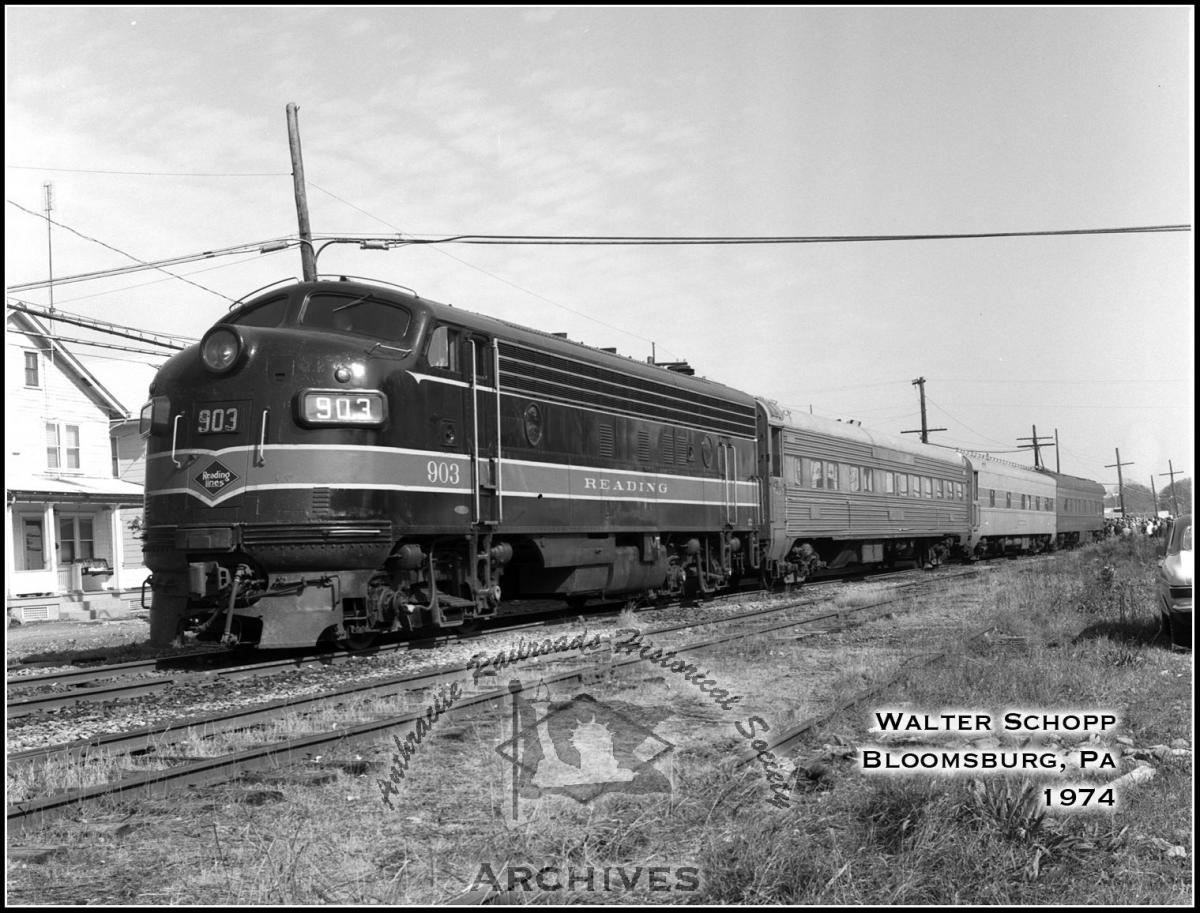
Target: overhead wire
<point>171,174</point>
<point>142,263</point>
<point>784,239</point>
<point>74,340</point>
<point>402,240</point>
<point>579,240</point>
<point>207,269</point>
<point>169,340</point>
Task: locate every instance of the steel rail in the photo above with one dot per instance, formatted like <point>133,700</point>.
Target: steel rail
<point>25,814</point>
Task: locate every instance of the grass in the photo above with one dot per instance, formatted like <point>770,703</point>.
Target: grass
<point>1067,634</point>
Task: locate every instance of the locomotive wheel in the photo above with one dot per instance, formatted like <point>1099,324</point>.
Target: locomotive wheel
<point>358,640</point>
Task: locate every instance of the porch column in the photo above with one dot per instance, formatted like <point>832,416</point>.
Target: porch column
<point>50,539</point>
<point>10,548</point>
<point>116,528</point>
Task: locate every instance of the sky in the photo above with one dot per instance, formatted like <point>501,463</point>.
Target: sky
<point>163,131</point>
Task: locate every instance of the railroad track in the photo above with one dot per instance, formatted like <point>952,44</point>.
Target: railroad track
<point>167,672</point>
<point>24,814</point>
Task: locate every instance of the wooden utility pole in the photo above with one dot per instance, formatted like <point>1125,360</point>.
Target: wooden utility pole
<point>49,189</point>
<point>1153,495</point>
<point>308,258</point>
<point>1120,480</point>
<point>925,429</point>
<point>1174,500</point>
<point>1036,445</point>
<point>1057,463</point>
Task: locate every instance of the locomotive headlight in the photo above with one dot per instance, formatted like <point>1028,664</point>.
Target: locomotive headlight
<point>220,348</point>
<point>363,408</point>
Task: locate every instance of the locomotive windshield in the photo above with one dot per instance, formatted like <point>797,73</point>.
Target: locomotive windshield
<point>268,314</point>
<point>359,315</point>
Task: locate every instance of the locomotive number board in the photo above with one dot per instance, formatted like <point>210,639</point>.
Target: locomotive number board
<point>220,418</point>
<point>336,407</point>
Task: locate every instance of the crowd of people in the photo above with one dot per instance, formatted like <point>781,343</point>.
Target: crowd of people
<point>1115,527</point>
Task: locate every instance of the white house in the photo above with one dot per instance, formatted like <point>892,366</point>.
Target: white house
<point>73,476</point>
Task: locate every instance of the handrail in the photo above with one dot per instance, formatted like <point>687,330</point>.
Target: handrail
<point>174,439</point>
<point>496,379</point>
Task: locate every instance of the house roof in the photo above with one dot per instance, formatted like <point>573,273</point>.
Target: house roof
<point>85,379</point>
<point>72,488</point>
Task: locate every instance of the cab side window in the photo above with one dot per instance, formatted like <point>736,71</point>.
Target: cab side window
<point>443,349</point>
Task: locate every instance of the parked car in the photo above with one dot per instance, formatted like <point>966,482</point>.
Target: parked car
<point>1175,583</point>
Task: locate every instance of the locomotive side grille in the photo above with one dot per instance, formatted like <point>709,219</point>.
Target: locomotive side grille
<point>643,446</point>
<point>606,439</point>
<point>681,447</point>
<point>667,446</point>
<point>552,377</point>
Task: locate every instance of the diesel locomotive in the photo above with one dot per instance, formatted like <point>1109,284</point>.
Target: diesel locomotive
<point>341,458</point>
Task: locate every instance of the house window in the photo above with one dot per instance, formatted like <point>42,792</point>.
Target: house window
<point>72,446</point>
<point>76,540</point>
<point>32,370</point>
<point>58,438</point>
<point>53,456</point>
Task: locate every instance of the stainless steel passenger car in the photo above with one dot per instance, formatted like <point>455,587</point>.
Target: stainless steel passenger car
<point>857,497</point>
<point>1014,508</point>
<point>1078,510</point>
